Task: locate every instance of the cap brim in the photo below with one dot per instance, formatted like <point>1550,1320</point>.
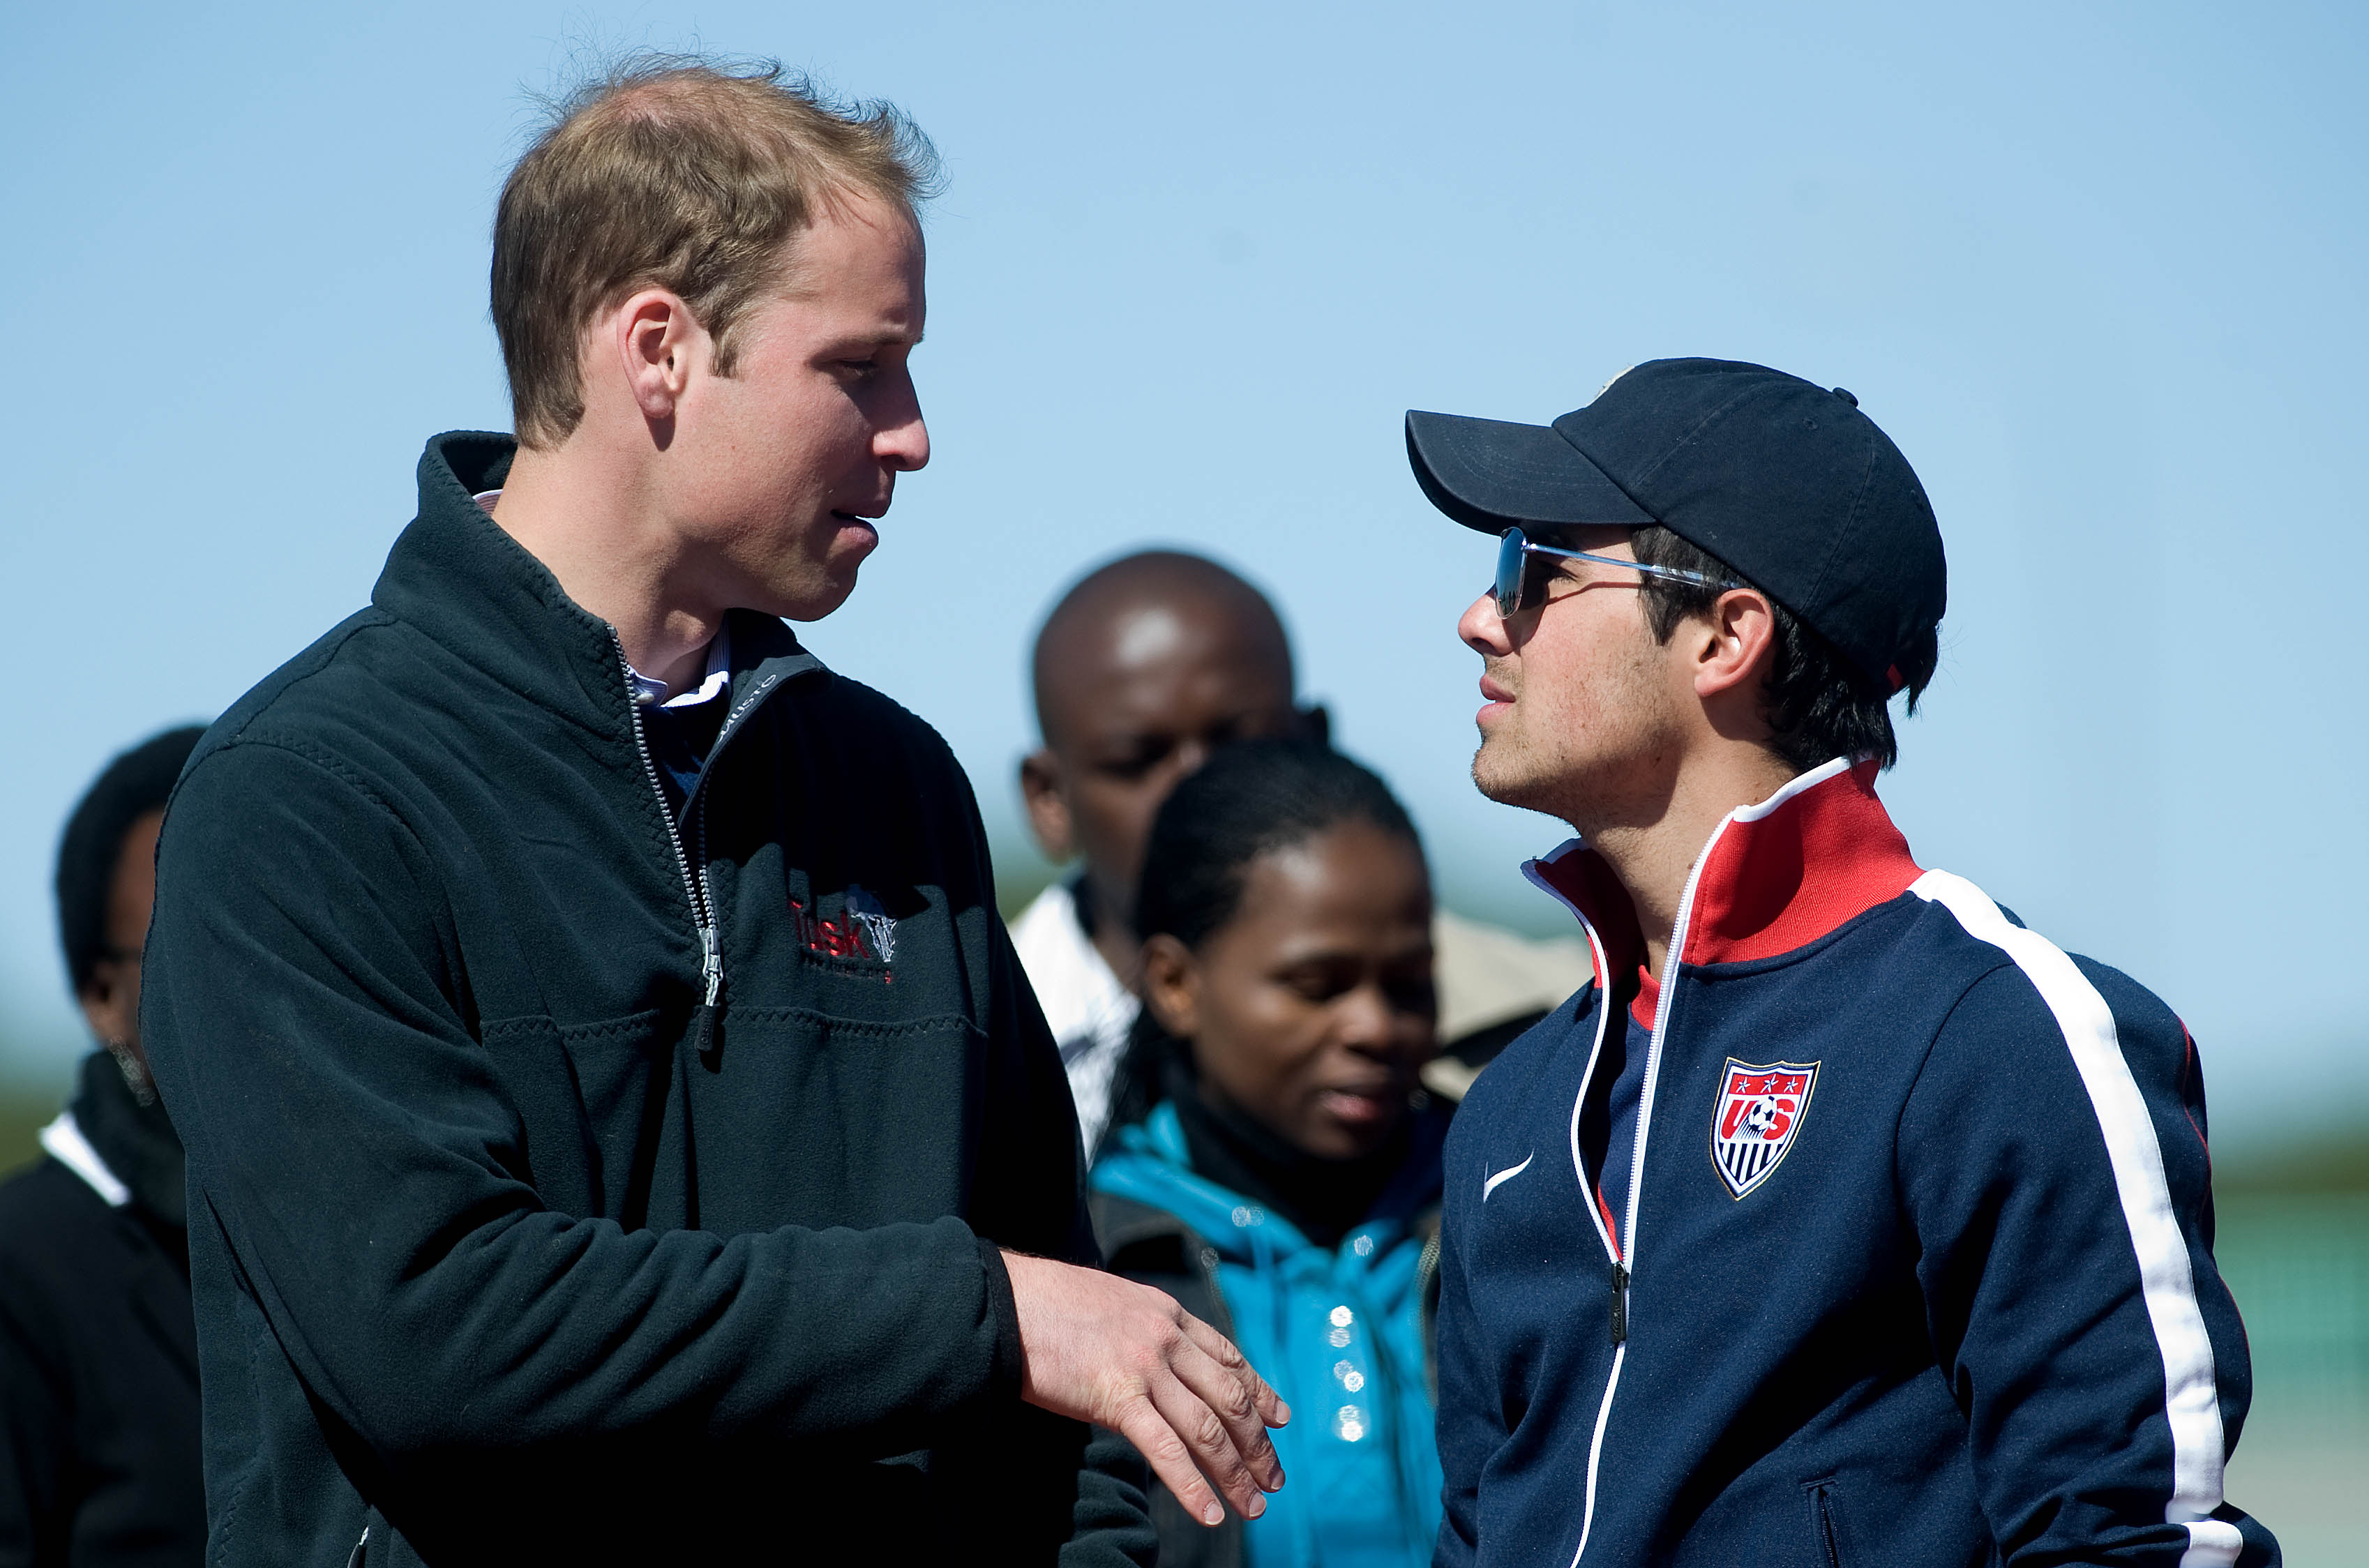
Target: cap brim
<point>1489,474</point>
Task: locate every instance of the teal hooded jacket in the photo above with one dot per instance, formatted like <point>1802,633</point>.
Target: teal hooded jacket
<point>1342,1333</point>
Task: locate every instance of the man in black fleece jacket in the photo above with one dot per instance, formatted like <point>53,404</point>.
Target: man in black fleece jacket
<point>618,1127</point>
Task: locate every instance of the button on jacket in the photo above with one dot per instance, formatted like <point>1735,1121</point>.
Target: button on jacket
<point>1912,1264</point>
<point>1343,1333</point>
<point>572,1180</point>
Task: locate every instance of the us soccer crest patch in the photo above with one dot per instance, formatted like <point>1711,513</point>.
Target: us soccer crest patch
<point>1753,1123</point>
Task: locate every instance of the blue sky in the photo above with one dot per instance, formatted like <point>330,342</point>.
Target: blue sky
<point>2097,269</point>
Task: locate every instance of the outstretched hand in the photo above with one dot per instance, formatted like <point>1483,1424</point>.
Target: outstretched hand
<point>1107,1350</point>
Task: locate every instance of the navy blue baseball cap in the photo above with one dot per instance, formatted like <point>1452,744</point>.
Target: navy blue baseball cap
<point>1785,481</point>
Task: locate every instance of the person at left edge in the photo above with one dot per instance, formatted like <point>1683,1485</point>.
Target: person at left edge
<point>99,1369</point>
<point>618,1127</point>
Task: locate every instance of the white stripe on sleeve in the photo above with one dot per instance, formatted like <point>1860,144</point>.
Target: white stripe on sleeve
<point>2192,1398</point>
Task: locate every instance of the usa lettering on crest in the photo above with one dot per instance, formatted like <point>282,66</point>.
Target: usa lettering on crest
<point>1753,1121</point>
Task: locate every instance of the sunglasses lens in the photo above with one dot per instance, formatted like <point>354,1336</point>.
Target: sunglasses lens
<point>1513,563</point>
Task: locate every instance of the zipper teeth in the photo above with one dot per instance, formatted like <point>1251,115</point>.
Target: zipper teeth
<point>1670,961</point>
<point>1596,1453</point>
<point>1587,1075</point>
<point>693,886</point>
<point>1669,991</point>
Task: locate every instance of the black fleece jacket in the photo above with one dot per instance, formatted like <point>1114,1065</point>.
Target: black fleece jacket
<point>98,1362</point>
<point>507,1245</point>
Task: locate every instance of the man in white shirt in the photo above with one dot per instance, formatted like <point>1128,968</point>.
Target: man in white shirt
<point>1143,669</point>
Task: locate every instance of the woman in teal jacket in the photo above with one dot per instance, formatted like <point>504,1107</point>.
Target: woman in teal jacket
<point>1273,1163</point>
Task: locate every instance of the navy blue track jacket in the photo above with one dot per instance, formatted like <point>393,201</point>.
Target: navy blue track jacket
<point>1912,1260</point>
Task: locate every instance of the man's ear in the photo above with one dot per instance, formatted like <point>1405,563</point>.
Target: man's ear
<point>1049,813</point>
<point>657,340</point>
<point>1730,644</point>
<point>1171,985</point>
<point>1315,724</point>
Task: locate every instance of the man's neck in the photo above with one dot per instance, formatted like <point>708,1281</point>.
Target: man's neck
<point>1653,857</point>
<point>597,532</point>
<point>1119,944</point>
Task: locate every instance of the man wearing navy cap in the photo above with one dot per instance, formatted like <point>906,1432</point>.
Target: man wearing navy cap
<point>1843,1220</point>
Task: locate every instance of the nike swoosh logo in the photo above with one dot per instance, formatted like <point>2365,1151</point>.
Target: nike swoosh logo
<point>1508,1175</point>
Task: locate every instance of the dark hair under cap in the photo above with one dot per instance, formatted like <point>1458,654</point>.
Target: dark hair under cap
<point>133,785</point>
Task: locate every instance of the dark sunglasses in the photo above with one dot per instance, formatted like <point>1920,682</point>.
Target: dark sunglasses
<point>1516,588</point>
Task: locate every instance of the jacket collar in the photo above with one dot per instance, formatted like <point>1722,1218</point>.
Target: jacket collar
<point>1151,1165</point>
<point>457,578</point>
<point>1774,877</point>
<point>135,1142</point>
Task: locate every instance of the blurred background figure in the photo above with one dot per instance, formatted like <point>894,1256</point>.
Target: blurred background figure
<point>1143,669</point>
<point>98,1371</point>
<point>1271,1163</point>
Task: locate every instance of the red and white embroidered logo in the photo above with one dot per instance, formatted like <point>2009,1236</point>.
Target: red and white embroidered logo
<point>1753,1123</point>
<point>864,930</point>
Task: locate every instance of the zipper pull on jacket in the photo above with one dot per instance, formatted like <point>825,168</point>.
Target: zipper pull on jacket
<point>1619,1304</point>
<point>710,971</point>
<point>711,964</point>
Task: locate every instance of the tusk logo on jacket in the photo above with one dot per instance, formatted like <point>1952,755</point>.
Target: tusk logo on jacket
<point>864,930</point>
<point>1756,1118</point>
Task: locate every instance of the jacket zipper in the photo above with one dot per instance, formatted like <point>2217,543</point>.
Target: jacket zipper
<point>695,879</point>
<point>1624,1258</point>
<point>1623,1267</point>
<point>1426,1276</point>
<point>1426,1266</point>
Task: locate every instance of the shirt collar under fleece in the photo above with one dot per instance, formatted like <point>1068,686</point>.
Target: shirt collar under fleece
<point>647,691</point>
<point>1776,876</point>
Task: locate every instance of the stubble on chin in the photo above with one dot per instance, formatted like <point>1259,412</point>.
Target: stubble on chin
<point>1501,771</point>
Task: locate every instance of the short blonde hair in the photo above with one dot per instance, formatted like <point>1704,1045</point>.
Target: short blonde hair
<point>675,174</point>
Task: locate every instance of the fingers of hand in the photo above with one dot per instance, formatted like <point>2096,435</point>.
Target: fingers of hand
<point>1212,1445</point>
<point>1230,1394</point>
<point>1156,1440</point>
<point>1270,1405</point>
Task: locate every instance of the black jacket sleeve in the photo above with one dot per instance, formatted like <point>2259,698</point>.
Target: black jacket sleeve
<point>303,1008</point>
<point>36,1437</point>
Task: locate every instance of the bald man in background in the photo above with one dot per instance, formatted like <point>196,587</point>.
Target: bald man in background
<point>1142,668</point>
